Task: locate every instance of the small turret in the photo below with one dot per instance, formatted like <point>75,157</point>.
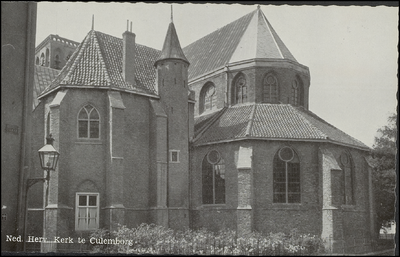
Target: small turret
<point>172,82</point>
<point>172,48</point>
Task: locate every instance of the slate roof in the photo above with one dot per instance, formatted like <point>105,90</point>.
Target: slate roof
<point>172,48</point>
<point>269,121</point>
<point>43,76</point>
<point>249,37</point>
<point>97,62</point>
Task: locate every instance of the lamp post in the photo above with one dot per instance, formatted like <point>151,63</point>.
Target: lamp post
<point>48,161</point>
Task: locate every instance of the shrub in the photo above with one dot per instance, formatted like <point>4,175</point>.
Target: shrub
<point>153,239</point>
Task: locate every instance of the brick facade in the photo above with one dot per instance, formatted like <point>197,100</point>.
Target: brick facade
<point>147,163</point>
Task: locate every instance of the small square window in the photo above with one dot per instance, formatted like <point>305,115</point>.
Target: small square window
<point>174,155</point>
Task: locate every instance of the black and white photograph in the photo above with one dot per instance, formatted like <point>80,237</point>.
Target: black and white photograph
<point>199,128</point>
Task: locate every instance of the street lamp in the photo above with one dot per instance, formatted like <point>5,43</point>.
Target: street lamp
<point>48,161</point>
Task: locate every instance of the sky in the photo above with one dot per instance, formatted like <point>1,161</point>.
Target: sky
<point>351,51</point>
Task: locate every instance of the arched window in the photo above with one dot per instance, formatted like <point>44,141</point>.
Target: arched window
<point>286,176</point>
<point>240,88</point>
<point>42,59</point>
<point>47,57</point>
<point>88,122</point>
<point>213,178</point>
<point>270,84</point>
<point>37,61</point>
<point>297,92</point>
<point>348,178</point>
<point>208,97</point>
<point>57,62</point>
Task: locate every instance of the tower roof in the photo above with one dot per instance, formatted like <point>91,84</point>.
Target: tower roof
<point>249,37</point>
<point>172,48</point>
<point>97,63</point>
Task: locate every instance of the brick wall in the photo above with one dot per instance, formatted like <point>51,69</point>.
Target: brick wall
<point>254,80</point>
<point>353,221</point>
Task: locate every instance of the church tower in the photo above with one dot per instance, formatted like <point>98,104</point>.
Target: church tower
<point>172,80</point>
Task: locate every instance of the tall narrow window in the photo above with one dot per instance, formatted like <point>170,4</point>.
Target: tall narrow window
<point>42,59</point>
<point>57,62</point>
<point>88,122</point>
<point>270,94</point>
<point>37,61</point>
<point>213,179</point>
<point>241,89</point>
<point>286,184</point>
<point>87,211</point>
<point>208,97</point>
<point>348,177</point>
<point>47,58</point>
<point>295,92</point>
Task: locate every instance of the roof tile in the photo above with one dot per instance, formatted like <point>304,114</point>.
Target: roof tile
<point>272,121</point>
<point>98,62</point>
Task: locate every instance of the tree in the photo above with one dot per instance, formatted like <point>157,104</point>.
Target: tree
<point>384,177</point>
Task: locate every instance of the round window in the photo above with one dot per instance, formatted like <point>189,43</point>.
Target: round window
<point>270,80</point>
<point>344,158</point>
<point>286,154</point>
<point>213,157</point>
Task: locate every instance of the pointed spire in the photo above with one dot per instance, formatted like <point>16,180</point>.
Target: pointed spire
<point>172,14</point>
<point>172,48</point>
<point>92,21</point>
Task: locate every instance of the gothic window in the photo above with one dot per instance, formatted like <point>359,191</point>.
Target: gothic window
<point>87,211</point>
<point>88,122</point>
<point>348,178</point>
<point>47,57</point>
<point>208,97</point>
<point>286,173</point>
<point>37,61</point>
<point>42,59</point>
<point>297,91</point>
<point>213,178</point>
<point>270,94</point>
<point>241,89</point>
<point>57,62</point>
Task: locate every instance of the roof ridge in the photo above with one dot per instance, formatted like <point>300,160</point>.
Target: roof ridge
<point>270,30</point>
<point>276,37</point>
<point>209,123</point>
<point>101,57</point>
<point>251,119</point>
<point>307,121</point>
<point>327,123</point>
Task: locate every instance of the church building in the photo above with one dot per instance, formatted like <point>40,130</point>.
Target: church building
<point>217,134</point>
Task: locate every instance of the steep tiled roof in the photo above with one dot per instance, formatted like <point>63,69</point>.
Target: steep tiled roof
<point>271,121</point>
<point>42,78</point>
<point>172,48</point>
<point>249,37</point>
<point>97,62</point>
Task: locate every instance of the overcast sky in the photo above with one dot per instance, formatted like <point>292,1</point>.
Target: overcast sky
<point>351,51</point>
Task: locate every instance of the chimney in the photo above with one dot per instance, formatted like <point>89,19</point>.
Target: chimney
<point>128,55</point>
